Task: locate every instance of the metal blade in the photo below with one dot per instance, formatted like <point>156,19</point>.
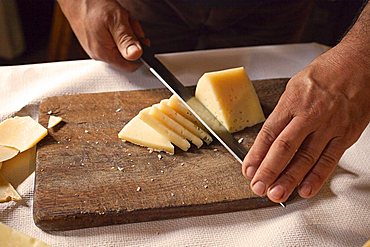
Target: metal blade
<point>194,105</point>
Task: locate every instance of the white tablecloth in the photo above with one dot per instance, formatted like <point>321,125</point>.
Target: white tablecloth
<point>338,216</point>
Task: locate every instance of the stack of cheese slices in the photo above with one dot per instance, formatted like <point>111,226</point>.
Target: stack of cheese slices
<point>228,94</point>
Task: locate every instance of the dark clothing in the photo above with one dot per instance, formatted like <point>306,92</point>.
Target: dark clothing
<point>178,25</point>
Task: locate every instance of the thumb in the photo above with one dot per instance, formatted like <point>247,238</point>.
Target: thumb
<point>124,37</point>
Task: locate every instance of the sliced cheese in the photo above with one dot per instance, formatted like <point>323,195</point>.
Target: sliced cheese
<point>230,96</point>
<point>6,153</point>
<point>53,121</point>
<point>178,106</point>
<point>17,169</point>
<point>176,139</point>
<point>173,125</point>
<point>7,192</point>
<point>12,238</point>
<point>193,128</point>
<point>140,133</point>
<point>21,133</point>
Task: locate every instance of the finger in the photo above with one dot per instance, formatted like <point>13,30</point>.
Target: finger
<point>115,58</point>
<point>322,170</point>
<point>124,37</point>
<point>279,155</point>
<point>270,130</point>
<point>138,30</point>
<point>302,162</point>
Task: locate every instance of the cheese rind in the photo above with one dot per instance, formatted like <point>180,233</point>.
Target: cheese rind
<point>21,133</point>
<point>6,153</point>
<point>53,121</point>
<point>175,126</point>
<point>176,139</point>
<point>138,132</point>
<point>7,191</point>
<point>230,96</point>
<point>12,238</point>
<point>193,128</point>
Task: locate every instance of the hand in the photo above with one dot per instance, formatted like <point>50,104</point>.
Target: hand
<point>105,31</point>
<point>322,112</point>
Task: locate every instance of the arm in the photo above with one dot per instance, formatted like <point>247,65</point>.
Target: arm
<point>322,112</point>
<point>105,31</point>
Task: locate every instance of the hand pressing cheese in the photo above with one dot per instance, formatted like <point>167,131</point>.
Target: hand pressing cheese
<point>230,96</point>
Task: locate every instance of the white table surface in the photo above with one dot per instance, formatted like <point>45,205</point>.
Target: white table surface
<point>338,216</point>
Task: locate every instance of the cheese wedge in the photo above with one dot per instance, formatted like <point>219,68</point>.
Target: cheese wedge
<point>17,169</point>
<point>21,133</point>
<point>176,139</point>
<point>178,106</point>
<point>6,153</point>
<point>173,125</point>
<point>7,192</point>
<point>193,128</point>
<point>12,238</point>
<point>53,121</point>
<point>140,133</point>
<point>230,96</point>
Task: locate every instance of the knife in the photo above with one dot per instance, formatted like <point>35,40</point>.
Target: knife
<point>194,105</point>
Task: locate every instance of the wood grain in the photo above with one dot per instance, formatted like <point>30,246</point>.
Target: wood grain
<point>78,183</point>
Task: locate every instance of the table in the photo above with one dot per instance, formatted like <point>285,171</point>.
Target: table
<point>338,216</point>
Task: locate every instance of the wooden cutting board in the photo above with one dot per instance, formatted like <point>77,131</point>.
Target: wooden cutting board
<point>86,176</point>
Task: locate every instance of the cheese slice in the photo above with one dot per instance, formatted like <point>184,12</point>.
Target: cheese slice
<point>193,128</point>
<point>12,238</point>
<point>53,121</point>
<point>7,192</point>
<point>6,153</point>
<point>176,139</point>
<point>178,106</point>
<point>17,169</point>
<point>21,133</point>
<point>230,96</point>
<point>175,126</point>
<point>140,133</point>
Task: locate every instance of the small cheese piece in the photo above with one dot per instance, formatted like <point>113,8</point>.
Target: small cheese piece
<point>21,133</point>
<point>6,153</point>
<point>176,139</point>
<point>139,133</point>
<point>173,125</point>
<point>17,169</point>
<point>230,96</point>
<point>53,121</point>
<point>12,238</point>
<point>178,106</point>
<point>7,192</point>
<point>196,130</point>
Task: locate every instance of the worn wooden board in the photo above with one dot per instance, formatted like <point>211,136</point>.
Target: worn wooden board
<point>78,183</point>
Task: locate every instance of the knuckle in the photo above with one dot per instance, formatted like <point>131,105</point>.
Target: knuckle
<point>328,160</point>
<point>306,156</point>
<point>290,179</point>
<point>284,146</point>
<point>268,134</point>
<point>316,177</point>
<point>268,173</point>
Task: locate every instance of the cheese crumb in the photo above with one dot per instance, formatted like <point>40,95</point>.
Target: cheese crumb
<point>159,156</point>
<point>129,154</point>
<point>241,140</point>
<point>152,179</point>
<point>120,169</point>
<point>182,164</point>
<point>50,112</point>
<point>118,110</point>
<point>206,186</point>
<point>215,150</point>
<point>172,194</point>
<point>138,188</point>
<point>86,131</point>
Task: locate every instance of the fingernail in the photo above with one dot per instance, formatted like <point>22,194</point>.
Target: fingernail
<point>131,50</point>
<point>277,192</point>
<point>251,170</point>
<point>305,189</point>
<point>259,188</point>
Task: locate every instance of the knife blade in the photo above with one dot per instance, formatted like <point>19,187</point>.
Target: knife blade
<point>193,105</point>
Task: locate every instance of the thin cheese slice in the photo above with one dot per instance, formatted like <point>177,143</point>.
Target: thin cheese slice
<point>12,238</point>
<point>17,169</point>
<point>176,139</point>
<point>6,153</point>
<point>53,121</point>
<point>140,133</point>
<point>173,125</point>
<point>178,106</point>
<point>193,128</point>
<point>7,192</point>
<point>21,133</point>
<point>230,96</point>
